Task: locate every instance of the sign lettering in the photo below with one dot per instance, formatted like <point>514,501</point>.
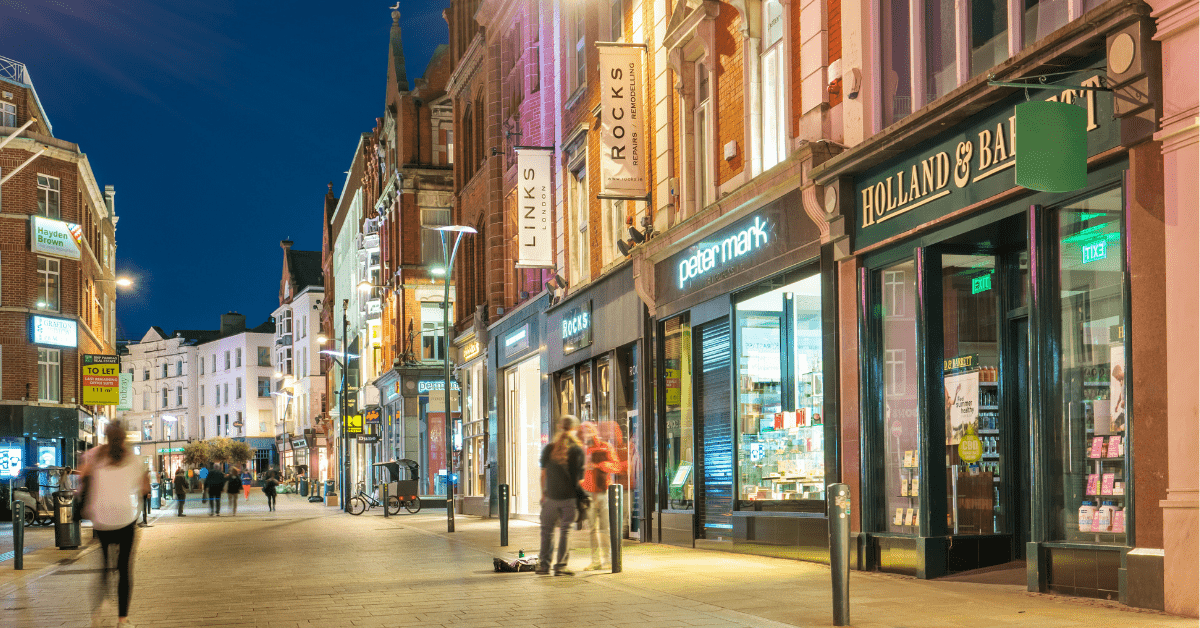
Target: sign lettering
<point>100,380</point>
<point>59,332</point>
<point>533,203</point>
<point>577,327</point>
<point>721,253</point>
<point>622,163</point>
<point>55,237</point>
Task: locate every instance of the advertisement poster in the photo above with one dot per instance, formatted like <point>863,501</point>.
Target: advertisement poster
<point>962,405</point>
<point>1116,388</point>
<point>622,142</point>
<point>100,380</point>
<point>55,237</point>
<point>533,207</point>
<point>10,461</point>
<point>126,395</point>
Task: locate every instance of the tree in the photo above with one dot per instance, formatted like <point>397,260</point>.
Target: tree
<point>196,454</point>
<point>218,450</point>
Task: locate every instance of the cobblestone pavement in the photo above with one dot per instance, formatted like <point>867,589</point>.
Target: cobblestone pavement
<point>307,565</point>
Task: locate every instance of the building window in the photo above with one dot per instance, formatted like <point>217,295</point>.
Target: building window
<point>614,230</point>
<point>49,197</point>
<point>49,283</point>
<point>8,114</point>
<point>164,398</point>
<point>226,386</point>
<point>179,368</point>
<point>264,387</point>
<point>616,17</point>
<point>577,226</point>
<point>164,371</point>
<point>201,366</point>
<point>214,363</point>
<point>700,119</point>
<point>145,375</point>
<point>264,356</point>
<point>433,344</point>
<point>237,358</point>
<point>237,388</point>
<point>900,396</point>
<point>285,324</point>
<point>202,390</point>
<point>179,396</point>
<point>146,399</point>
<point>774,86</point>
<point>285,361</point>
<point>450,146</point>
<point>431,241</point>
<point>49,375</point>
<point>579,50</point>
<point>226,360</point>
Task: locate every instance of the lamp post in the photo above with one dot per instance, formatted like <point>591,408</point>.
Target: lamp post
<point>343,363</point>
<point>448,255</point>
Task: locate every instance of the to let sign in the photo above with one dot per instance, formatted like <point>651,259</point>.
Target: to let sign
<point>100,380</point>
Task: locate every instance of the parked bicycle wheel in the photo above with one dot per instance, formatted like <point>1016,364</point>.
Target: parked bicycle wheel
<point>393,505</point>
<point>413,505</point>
<point>358,505</point>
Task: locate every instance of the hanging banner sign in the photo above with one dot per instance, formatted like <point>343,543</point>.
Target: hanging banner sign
<point>622,142</point>
<point>126,396</point>
<point>533,207</point>
<point>100,380</point>
<point>55,237</point>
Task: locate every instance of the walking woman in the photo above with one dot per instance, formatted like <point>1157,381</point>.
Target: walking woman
<point>116,483</point>
<point>234,488</point>
<point>562,469</point>
<point>180,489</point>
<point>269,483</point>
<point>601,462</point>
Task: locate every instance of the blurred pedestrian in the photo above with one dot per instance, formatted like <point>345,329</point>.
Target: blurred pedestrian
<point>116,483</point>
<point>215,485</point>
<point>180,489</point>
<point>562,469</point>
<point>246,482</point>
<point>600,462</point>
<point>234,489</point>
<point>270,481</point>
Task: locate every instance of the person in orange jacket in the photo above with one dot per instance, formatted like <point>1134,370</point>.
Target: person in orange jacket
<point>600,461</point>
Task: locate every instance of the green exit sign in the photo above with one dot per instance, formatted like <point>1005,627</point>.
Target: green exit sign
<point>982,283</point>
<point>1094,251</point>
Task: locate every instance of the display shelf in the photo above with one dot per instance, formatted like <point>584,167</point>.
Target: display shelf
<point>989,408</point>
<point>1098,384</point>
<point>988,431</point>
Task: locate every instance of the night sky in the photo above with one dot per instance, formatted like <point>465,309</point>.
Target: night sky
<point>220,122</point>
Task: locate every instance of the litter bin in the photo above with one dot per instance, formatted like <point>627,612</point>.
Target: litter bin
<point>66,527</point>
<point>304,488</point>
<point>155,496</point>
<point>328,487</point>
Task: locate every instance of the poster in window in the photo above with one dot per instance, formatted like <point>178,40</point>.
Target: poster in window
<point>1116,388</point>
<point>962,405</point>
<point>622,142</point>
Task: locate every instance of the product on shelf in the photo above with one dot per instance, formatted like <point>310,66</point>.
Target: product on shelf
<point>1118,522</point>
<point>1106,486</point>
<point>1114,447</point>
<point>1093,484</point>
<point>1097,447</point>
<point>1087,512</point>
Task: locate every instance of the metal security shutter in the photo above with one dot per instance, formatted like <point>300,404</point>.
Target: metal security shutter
<point>713,405</point>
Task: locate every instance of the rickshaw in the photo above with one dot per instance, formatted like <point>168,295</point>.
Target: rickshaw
<point>400,492</point>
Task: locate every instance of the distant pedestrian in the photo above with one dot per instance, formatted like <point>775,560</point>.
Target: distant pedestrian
<point>246,482</point>
<point>214,484</point>
<point>180,489</point>
<point>270,481</point>
<point>234,488</point>
<point>117,483</point>
<point>562,469</point>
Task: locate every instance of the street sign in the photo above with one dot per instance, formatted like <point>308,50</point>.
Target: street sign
<point>368,439</point>
<point>126,394</point>
<point>354,424</point>
<point>101,382</point>
<point>372,416</point>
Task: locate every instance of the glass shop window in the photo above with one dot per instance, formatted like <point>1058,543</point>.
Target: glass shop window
<point>678,434</point>
<point>781,450</point>
<point>1089,446</point>
<point>902,427</point>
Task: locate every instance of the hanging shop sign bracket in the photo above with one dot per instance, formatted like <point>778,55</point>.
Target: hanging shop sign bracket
<point>1043,82</point>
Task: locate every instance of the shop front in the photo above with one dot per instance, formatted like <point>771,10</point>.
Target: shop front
<point>594,350</point>
<point>412,424</point>
<point>998,351</point>
<point>747,420</point>
<point>472,434</point>
<point>518,423</point>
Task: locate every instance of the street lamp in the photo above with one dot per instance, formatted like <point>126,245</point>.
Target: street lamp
<point>343,363</point>
<point>448,255</point>
<point>123,282</point>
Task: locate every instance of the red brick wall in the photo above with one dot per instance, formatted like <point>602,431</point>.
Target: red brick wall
<point>729,91</point>
<point>834,12</point>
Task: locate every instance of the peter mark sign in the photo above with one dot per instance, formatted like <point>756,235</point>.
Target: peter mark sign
<point>622,145</point>
<point>100,380</point>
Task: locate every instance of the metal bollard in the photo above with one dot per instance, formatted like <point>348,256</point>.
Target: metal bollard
<point>838,502</point>
<point>18,534</point>
<point>503,515</point>
<point>385,501</point>
<point>615,524</point>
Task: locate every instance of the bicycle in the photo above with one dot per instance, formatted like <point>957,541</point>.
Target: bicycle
<point>362,502</point>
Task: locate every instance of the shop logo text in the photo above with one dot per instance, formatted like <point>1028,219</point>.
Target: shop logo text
<point>709,257</point>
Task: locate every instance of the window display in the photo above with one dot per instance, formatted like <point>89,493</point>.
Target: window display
<point>1091,440</point>
<point>781,451</point>
<point>902,426</point>
<point>678,432</point>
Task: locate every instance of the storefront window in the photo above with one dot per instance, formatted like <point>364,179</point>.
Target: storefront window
<point>678,462</point>
<point>779,385</point>
<point>902,426</point>
<point>1090,442</point>
<point>475,441</point>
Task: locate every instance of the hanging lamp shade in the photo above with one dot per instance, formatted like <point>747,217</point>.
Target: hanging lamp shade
<point>1051,146</point>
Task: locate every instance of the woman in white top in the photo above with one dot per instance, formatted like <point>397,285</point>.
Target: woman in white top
<point>116,484</point>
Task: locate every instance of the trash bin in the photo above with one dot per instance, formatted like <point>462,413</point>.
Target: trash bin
<point>66,527</point>
<point>304,488</point>
<point>155,496</point>
<point>328,487</point>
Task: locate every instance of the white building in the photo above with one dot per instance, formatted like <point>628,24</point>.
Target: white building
<point>234,394</point>
<point>299,383</point>
<point>163,368</point>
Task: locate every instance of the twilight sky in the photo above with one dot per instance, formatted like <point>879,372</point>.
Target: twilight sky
<point>220,122</point>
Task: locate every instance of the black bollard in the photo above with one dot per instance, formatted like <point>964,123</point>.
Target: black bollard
<point>838,502</point>
<point>616,527</point>
<point>385,501</point>
<point>503,515</point>
<point>18,534</point>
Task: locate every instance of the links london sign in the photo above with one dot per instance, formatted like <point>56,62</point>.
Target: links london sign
<point>966,165</point>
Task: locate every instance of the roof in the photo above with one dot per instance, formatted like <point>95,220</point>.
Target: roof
<point>266,328</point>
<point>305,267</point>
<point>197,336</point>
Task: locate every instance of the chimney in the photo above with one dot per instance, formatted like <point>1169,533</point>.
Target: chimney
<point>110,199</point>
<point>232,323</point>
